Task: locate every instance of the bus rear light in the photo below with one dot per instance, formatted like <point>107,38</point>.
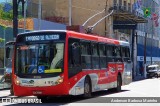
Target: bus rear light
<point>59,81</point>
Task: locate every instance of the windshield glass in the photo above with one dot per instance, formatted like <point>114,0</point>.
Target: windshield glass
<point>152,68</point>
<point>40,58</point>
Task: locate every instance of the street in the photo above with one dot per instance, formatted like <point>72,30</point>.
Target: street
<point>143,88</point>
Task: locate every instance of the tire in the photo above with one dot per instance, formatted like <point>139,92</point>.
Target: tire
<point>156,75</point>
<point>119,84</point>
<point>87,88</point>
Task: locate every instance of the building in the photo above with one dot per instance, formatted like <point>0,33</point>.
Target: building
<point>120,25</point>
<point>58,11</point>
<point>148,45</point>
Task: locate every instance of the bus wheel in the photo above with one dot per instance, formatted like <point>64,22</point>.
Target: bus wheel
<point>156,75</point>
<point>119,83</point>
<point>87,88</point>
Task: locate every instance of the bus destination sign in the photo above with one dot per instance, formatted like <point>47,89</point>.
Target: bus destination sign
<point>43,37</point>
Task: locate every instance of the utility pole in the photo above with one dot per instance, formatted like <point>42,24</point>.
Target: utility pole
<point>132,52</point>
<point>152,41</point>
<point>70,12</point>
<point>145,73</point>
<point>39,14</point>
<point>15,18</point>
<point>25,7</point>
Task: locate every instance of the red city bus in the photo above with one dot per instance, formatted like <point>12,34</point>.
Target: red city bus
<point>58,63</point>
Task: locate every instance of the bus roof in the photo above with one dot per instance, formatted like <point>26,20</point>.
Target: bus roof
<point>38,31</point>
<point>84,36</point>
<point>96,38</point>
<point>10,43</point>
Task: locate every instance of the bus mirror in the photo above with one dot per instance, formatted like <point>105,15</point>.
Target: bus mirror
<point>7,52</point>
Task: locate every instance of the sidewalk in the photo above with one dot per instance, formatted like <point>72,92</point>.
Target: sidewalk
<point>4,93</point>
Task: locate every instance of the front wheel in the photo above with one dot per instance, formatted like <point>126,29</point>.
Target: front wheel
<point>87,88</point>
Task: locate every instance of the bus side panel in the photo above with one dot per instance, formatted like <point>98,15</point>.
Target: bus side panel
<point>127,75</point>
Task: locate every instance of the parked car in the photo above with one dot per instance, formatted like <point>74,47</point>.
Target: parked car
<point>153,71</point>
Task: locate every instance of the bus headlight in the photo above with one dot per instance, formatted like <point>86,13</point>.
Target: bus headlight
<point>59,81</point>
<point>17,82</point>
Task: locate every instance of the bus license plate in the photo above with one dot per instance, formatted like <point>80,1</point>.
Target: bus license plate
<point>37,92</point>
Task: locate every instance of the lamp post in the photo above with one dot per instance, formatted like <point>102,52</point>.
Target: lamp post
<point>39,14</point>
<point>15,18</point>
<point>145,73</point>
<point>70,12</point>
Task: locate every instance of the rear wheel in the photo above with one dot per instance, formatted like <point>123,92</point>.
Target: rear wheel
<point>87,88</point>
<point>119,83</point>
<point>156,75</point>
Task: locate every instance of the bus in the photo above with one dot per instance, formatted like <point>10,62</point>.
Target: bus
<point>6,79</point>
<point>8,59</point>
<point>61,62</point>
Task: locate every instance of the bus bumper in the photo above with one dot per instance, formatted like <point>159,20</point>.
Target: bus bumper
<point>57,90</point>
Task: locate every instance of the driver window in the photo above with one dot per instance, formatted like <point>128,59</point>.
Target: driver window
<point>57,61</point>
<point>74,58</point>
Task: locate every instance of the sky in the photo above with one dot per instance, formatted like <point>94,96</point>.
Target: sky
<point>4,0</point>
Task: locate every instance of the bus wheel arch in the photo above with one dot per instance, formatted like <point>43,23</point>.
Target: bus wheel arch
<point>87,87</point>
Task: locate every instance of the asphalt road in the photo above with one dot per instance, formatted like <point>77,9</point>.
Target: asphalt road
<point>141,89</point>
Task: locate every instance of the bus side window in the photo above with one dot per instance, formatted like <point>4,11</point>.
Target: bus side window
<point>95,56</point>
<point>102,54</point>
<point>8,52</point>
<point>86,55</point>
<point>125,54</point>
<point>74,61</point>
<point>110,53</point>
<point>128,54</point>
<point>118,57</point>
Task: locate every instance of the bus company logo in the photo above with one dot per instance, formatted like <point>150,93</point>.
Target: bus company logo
<point>20,100</point>
<point>112,69</point>
<point>28,82</point>
<point>31,81</point>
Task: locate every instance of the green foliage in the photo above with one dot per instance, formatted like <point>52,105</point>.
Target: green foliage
<point>7,15</point>
<point>2,40</point>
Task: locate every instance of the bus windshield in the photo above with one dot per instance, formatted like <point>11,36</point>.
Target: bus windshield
<point>40,58</point>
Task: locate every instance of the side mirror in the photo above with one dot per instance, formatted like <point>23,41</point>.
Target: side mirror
<point>7,52</point>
